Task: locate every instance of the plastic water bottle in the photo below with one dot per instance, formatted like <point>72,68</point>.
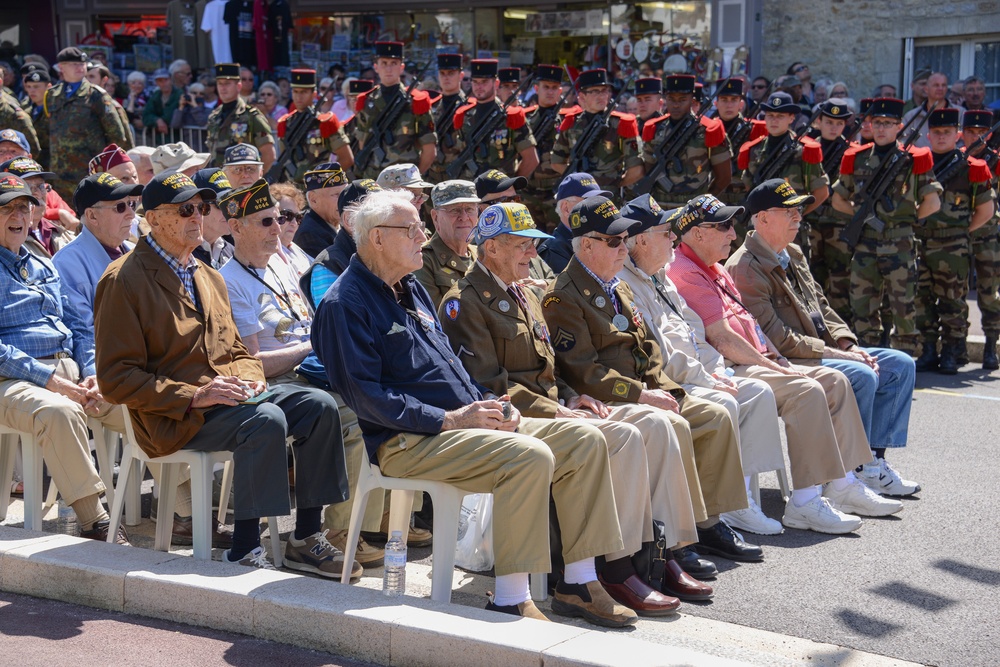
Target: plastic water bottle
<point>66,519</point>
<point>394,577</point>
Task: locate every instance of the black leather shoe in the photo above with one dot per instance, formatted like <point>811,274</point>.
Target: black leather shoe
<point>692,563</point>
<point>721,540</point>
<point>990,360</point>
<point>928,359</point>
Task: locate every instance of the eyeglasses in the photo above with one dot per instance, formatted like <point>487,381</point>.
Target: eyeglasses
<point>241,169</point>
<point>121,206</point>
<point>612,241</point>
<point>884,124</point>
<point>412,229</point>
<point>469,210</point>
<point>187,209</point>
<point>292,215</point>
<point>40,189</point>
<point>721,226</point>
<point>524,245</point>
<point>265,94</point>
<point>514,199</point>
<point>17,209</point>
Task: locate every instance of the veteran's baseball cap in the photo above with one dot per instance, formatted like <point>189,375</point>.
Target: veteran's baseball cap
<point>172,188</point>
<point>599,214</point>
<point>505,218</point>
<point>495,181</point>
<point>101,187</point>
<point>355,192</point>
<point>242,154</point>
<point>580,184</point>
<point>405,175</point>
<point>648,213</point>
<point>213,178</point>
<point>454,192</point>
<point>246,201</point>
<point>25,167</point>
<point>775,193</point>
<point>326,175</point>
<point>15,137</point>
<point>12,187</point>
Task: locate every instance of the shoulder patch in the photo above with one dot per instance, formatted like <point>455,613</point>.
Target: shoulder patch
<point>516,118</point>
<point>420,102</point>
<point>923,160</point>
<point>620,388</point>
<point>459,116</point>
<point>743,161</point>
<point>715,132</point>
<point>563,341</point>
<point>812,151</point>
<point>451,309</point>
<point>551,299</point>
<point>847,162</point>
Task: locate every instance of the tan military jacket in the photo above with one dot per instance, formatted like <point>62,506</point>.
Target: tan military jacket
<point>442,268</point>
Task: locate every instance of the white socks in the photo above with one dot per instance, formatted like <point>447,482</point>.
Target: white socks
<point>802,496</point>
<point>580,572</point>
<point>512,589</point>
<point>746,480</point>
<point>844,482</point>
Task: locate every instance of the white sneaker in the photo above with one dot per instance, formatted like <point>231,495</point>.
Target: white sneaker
<point>859,499</point>
<point>256,558</point>
<point>752,520</point>
<point>880,477</point>
<point>818,515</point>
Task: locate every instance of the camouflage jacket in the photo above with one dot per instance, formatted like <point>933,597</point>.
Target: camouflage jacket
<point>803,170</point>
<point>962,193</point>
<point>502,149</point>
<point>544,176</point>
<point>861,162</point>
<point>444,110</point>
<point>402,143</point>
<point>244,125</point>
<point>325,136</point>
<point>612,155</point>
<point>690,173</point>
<point>80,127</point>
<point>13,117</point>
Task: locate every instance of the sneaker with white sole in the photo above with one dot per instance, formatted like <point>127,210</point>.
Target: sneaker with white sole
<point>256,558</point>
<point>752,520</point>
<point>881,478</point>
<point>315,554</point>
<point>818,515</point>
<point>859,499</point>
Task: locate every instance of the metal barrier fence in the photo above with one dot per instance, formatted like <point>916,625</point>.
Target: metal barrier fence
<point>192,135</point>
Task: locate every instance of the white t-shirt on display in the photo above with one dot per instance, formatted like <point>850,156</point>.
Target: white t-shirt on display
<point>213,24</point>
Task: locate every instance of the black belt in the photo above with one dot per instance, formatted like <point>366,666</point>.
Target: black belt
<point>57,355</point>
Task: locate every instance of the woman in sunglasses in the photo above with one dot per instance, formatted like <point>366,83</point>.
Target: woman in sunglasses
<point>290,201</point>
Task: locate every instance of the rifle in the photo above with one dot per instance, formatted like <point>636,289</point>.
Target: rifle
<point>741,133</point>
<point>877,190</point>
<point>992,147</point>
<point>544,121</point>
<point>497,115</point>
<point>578,160</point>
<point>383,125</point>
<point>678,137</point>
<point>444,125</point>
<point>958,159</point>
<point>293,141</point>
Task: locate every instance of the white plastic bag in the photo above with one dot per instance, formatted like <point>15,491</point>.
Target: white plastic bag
<point>474,550</point>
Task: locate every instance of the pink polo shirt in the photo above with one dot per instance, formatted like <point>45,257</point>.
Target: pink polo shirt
<point>711,292</point>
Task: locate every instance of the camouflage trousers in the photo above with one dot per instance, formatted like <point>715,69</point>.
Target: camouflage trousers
<point>542,204</point>
<point>831,266</point>
<point>986,260</point>
<point>884,266</point>
<point>942,286</point>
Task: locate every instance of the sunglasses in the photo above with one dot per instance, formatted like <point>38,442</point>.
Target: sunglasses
<point>292,215</point>
<point>270,220</point>
<point>800,68</point>
<point>121,206</point>
<point>514,199</point>
<point>721,226</point>
<point>187,209</point>
<point>612,241</point>
<point>412,229</point>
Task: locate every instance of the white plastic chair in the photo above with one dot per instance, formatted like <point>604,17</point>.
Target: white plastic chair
<point>782,484</point>
<point>202,465</point>
<point>32,467</point>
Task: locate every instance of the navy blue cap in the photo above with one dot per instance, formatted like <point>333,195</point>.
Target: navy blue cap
<point>780,102</point>
<point>599,214</point>
<point>648,213</point>
<point>214,178</point>
<point>580,184</point>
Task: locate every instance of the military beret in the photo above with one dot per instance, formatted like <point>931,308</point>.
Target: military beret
<point>509,75</point>
<point>359,86</point>
<point>835,108</point>
<point>977,118</point>
<point>389,50</point>
<point>943,118</point>
<point>650,85</point>
<point>921,75</point>
<point>484,69</point>
<point>71,54</point>
<point>303,78</point>
<point>246,201</point>
<point>449,61</point>
<point>592,78</point>
<point>227,71</point>
<point>679,83</point>
<point>549,73</point>
<point>35,73</point>
<point>731,87</point>
<point>888,107</point>
<point>112,156</point>
<point>326,175</point>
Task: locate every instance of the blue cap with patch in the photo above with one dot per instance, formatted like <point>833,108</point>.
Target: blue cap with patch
<point>580,184</point>
<point>242,154</point>
<point>505,218</point>
<point>16,137</point>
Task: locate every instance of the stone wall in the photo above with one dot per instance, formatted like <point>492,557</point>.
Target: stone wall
<point>861,41</point>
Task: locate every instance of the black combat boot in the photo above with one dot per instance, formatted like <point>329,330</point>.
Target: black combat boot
<point>990,361</point>
<point>962,351</point>
<point>948,365</point>
<point>928,359</point>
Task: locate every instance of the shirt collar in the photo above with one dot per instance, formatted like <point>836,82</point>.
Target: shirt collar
<point>172,261</point>
<point>495,277</point>
<point>608,286</point>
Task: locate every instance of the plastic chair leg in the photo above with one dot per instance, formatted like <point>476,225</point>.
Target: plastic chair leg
<point>32,458</point>
<point>127,471</point>
<point>275,534</point>
<point>400,506</point>
<point>227,485</point>
<point>357,515</point>
<point>201,506</point>
<point>133,497</point>
<point>447,506</point>
<point>165,507</point>
<point>783,484</point>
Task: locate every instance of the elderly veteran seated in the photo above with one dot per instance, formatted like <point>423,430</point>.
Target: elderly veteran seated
<point>778,289</point>
<point>604,348</point>
<point>319,225</point>
<point>826,438</point>
<point>242,165</point>
<point>45,236</point>
<point>448,255</point>
<point>423,416</point>
<point>169,350</point>
<point>690,361</point>
<point>497,330</point>
<point>47,375</point>
<point>573,189</point>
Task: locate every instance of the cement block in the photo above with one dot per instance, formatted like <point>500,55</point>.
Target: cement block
<point>14,538</point>
<point>606,649</point>
<point>199,592</point>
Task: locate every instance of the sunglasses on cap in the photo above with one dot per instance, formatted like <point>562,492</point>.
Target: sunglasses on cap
<point>120,207</point>
<point>612,241</point>
<point>292,215</point>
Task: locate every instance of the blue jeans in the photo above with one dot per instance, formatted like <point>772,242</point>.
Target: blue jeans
<point>884,399</point>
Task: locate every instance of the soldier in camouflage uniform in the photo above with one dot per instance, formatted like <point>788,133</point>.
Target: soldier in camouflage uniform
<point>451,99</point>
<point>325,141</point>
<point>885,262</point>
<point>729,104</point>
<point>543,119</point>
<point>831,258</point>
<point>615,159</point>
<point>81,122</point>
<point>234,121</point>
<point>36,81</point>
<point>986,245</point>
<point>511,147</point>
<point>943,240</point>
<point>13,117</point>
<point>412,137</point>
<point>649,98</point>
<point>781,154</point>
<point>703,165</point>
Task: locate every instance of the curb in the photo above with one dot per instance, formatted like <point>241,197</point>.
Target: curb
<point>360,623</point>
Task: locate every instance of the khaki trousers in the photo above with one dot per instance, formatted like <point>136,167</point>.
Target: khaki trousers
<point>670,494</point>
<point>753,408</point>
<point>567,457</point>
<point>823,427</point>
<point>337,516</point>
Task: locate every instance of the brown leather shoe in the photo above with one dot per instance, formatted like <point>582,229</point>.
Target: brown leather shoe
<point>415,537</point>
<point>682,585</point>
<point>526,609</point>
<point>99,532</point>
<point>182,534</point>
<point>592,603</point>
<point>641,598</point>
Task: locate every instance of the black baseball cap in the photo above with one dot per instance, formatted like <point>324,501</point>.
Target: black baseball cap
<point>775,193</point>
<point>599,214</point>
<point>172,188</point>
<point>214,178</point>
<point>648,213</point>
<point>355,192</point>
<point>704,209</point>
<point>101,187</point>
<point>494,181</point>
<point>12,187</point>
<point>580,184</point>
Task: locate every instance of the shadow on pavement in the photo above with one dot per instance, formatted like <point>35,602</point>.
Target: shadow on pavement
<point>916,597</point>
<point>971,572</point>
<point>866,625</point>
